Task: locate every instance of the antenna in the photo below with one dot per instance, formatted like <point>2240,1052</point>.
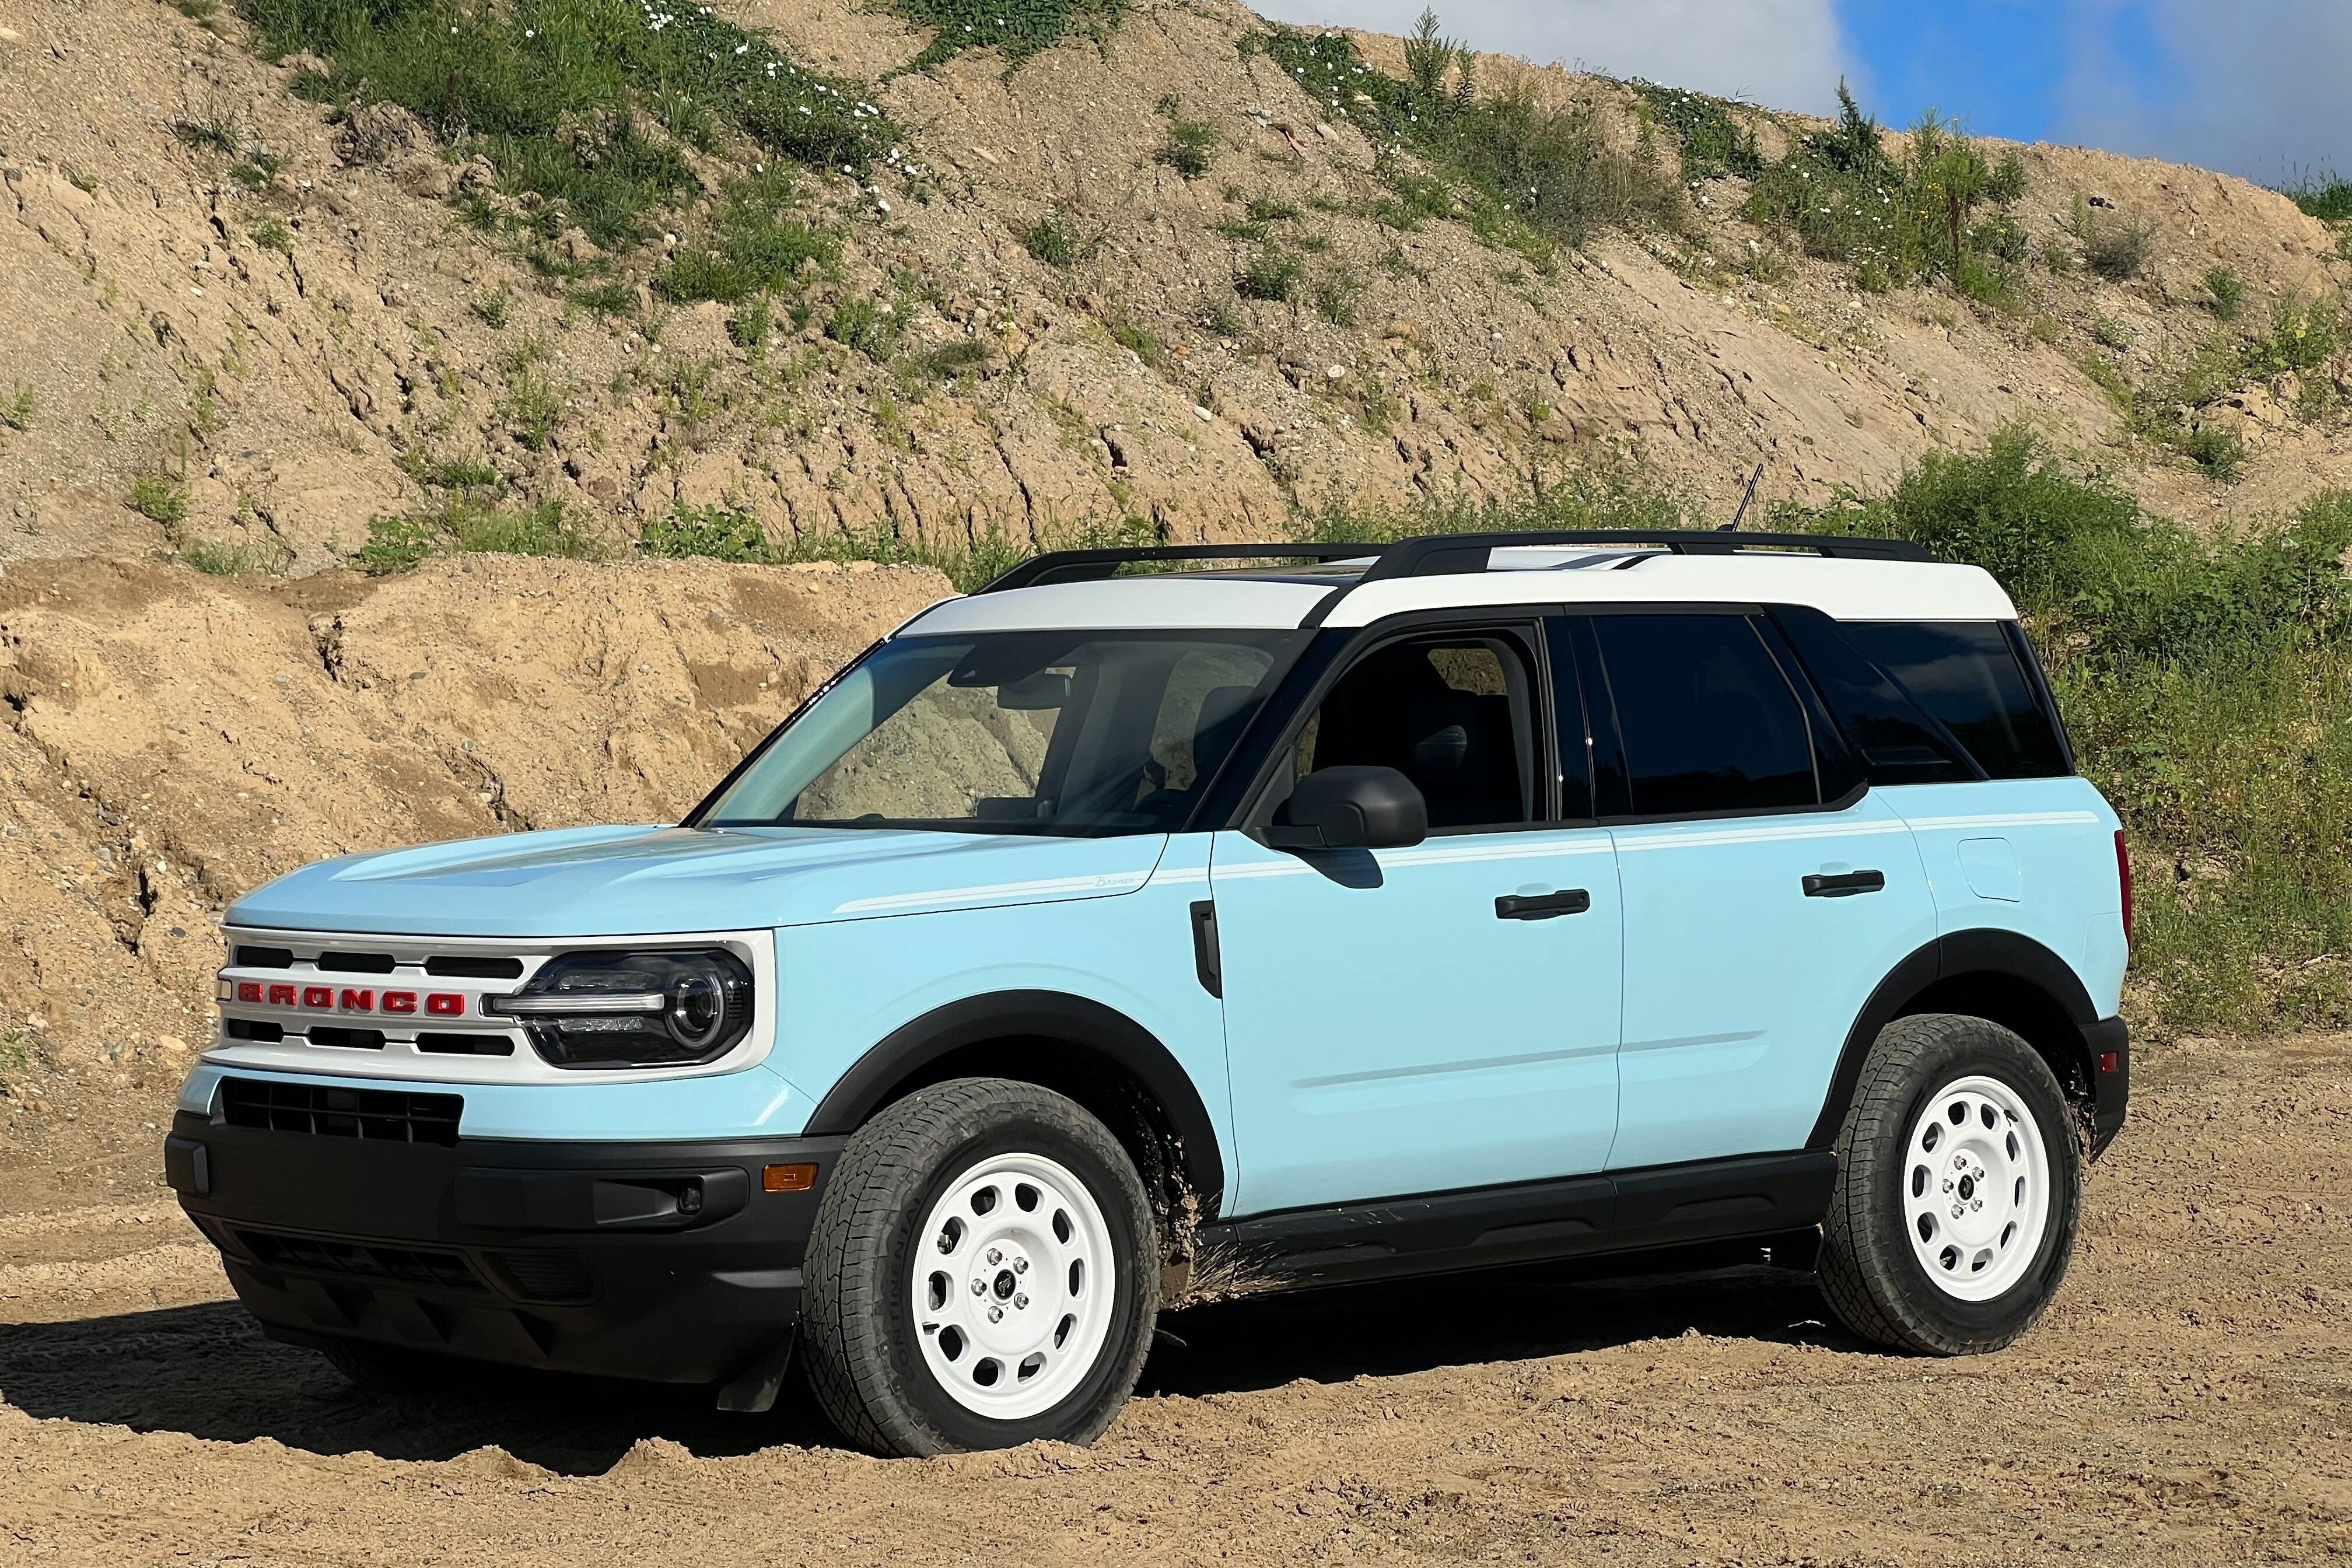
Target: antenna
<point>1746,496</point>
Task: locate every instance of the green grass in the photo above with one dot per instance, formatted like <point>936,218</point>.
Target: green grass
<point>2324,194</point>
<point>2225,292</point>
<point>17,411</point>
<point>216,558</point>
<point>580,103</point>
<point>867,326</point>
<point>751,245</point>
<point>1019,29</point>
<point>1053,239</point>
<point>1191,147</point>
<point>1516,169</point>
<point>462,524</point>
<point>1272,273</point>
<point>1713,143</point>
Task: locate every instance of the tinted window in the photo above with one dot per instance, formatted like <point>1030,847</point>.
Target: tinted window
<point>1898,743</point>
<point>1708,719</point>
<point>1967,675</point>
<point>1452,714</point>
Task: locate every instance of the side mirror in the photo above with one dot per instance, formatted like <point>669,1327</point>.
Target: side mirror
<point>1351,809</point>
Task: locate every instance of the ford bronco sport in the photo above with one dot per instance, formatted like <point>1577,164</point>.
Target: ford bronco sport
<point>1335,914</point>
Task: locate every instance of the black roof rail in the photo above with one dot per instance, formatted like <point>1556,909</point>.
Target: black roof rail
<point>1092,565</point>
<point>1442,555</point>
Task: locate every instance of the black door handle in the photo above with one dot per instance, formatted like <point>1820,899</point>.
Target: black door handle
<point>1542,906</point>
<point>1846,885</point>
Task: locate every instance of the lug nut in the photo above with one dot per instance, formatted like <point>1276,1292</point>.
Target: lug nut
<point>1020,1302</point>
<point>1021,1266</point>
<point>994,1256</point>
<point>996,1314</point>
<point>979,1286</point>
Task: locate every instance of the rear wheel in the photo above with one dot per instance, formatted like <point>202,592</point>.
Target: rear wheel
<point>983,1273</point>
<point>1959,1190</point>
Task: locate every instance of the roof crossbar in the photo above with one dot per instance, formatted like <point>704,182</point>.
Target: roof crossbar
<point>1445,555</point>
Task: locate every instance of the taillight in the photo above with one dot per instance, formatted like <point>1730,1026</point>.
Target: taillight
<point>2123,880</point>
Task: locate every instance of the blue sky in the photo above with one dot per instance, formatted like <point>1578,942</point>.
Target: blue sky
<point>2257,87</point>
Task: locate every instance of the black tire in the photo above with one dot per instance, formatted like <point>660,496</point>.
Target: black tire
<point>864,1349</point>
<point>1875,1279</point>
<point>395,1369</point>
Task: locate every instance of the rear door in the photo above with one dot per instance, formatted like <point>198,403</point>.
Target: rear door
<point>1440,1016</point>
<point>1767,891</point>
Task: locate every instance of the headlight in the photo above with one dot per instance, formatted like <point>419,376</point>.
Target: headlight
<point>633,1009</point>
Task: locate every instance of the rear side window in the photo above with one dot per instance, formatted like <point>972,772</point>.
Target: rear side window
<point>1967,675</point>
<point>1708,719</point>
<point>1899,744</point>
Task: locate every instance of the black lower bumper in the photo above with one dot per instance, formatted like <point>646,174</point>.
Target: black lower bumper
<point>662,1261</point>
<point>2110,1045</point>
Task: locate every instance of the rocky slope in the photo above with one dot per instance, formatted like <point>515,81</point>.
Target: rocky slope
<point>298,381</point>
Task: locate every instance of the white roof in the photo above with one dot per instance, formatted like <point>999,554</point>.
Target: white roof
<point>1842,588</point>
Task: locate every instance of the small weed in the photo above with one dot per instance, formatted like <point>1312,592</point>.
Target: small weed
<point>271,233</point>
<point>752,245</point>
<point>202,11</point>
<point>2218,452</point>
<point>2118,250</point>
<point>694,386</point>
<point>864,325</point>
<point>714,532</point>
<point>947,362</point>
<point>2226,291</point>
<point>1265,209</point>
<point>1139,341</point>
<point>749,327</point>
<point>1272,274</point>
<point>1191,147</point>
<point>17,412</point>
<point>1053,239</point>
<point>1221,314</point>
<point>2305,334</point>
<point>2110,334</point>
<point>157,498</point>
<point>1336,294</point>
<point>449,473</point>
<point>84,183</point>
<point>216,558</point>
<point>495,308</point>
<point>533,405</point>
<point>611,299</point>
<point>218,132</point>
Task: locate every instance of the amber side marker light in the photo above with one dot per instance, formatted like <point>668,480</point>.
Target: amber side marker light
<point>787,1178</point>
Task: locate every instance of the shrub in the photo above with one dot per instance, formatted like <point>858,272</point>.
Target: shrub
<point>718,532</point>
<point>1531,168</point>
<point>2226,290</point>
<point>1272,274</point>
<point>1191,147</point>
<point>157,498</point>
<point>2305,334</point>
<point>495,308</point>
<point>2115,251</point>
<point>1051,239</point>
<point>863,325</point>
<point>1713,143</point>
<point>1846,198</point>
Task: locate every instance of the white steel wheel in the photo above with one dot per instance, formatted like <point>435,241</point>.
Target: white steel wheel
<point>1976,1188</point>
<point>1013,1286</point>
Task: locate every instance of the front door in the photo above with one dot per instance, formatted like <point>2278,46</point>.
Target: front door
<point>1441,1016</point>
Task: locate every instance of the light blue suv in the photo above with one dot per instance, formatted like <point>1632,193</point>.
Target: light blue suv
<point>1348,912</point>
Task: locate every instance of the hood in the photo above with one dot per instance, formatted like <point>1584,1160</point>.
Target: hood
<point>628,881</point>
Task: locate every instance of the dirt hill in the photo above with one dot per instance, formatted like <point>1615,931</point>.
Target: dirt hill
<point>1141,280</point>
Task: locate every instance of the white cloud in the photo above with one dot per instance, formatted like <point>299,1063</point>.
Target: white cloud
<point>1783,54</point>
<point>2253,87</point>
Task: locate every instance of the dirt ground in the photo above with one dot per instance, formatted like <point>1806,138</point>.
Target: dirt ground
<point>2187,1401</point>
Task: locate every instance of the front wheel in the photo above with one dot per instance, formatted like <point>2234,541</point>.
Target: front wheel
<point>1959,1188</point>
<point>983,1273</point>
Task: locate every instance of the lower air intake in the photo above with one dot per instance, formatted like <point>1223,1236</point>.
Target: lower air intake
<point>376,1115</point>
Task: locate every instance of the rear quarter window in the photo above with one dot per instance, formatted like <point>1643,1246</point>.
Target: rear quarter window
<point>1968,673</point>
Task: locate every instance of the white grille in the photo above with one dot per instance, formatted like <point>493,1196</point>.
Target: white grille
<point>304,978</point>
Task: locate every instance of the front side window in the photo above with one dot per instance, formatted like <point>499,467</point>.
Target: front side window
<point>1709,721</point>
<point>1083,733</point>
<point>1967,675</point>
<point>1452,713</point>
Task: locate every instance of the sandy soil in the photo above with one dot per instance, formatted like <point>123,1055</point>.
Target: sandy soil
<point>2186,1402</point>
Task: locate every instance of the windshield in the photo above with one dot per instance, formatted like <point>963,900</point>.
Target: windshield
<point>1049,733</point>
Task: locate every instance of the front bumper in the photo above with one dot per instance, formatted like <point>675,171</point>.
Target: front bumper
<point>660,1261</point>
